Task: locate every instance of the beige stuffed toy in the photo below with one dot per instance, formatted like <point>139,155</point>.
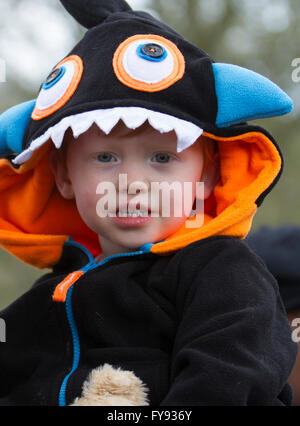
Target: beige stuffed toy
<point>109,386</point>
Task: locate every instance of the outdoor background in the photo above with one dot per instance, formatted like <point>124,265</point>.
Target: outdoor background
<point>262,35</point>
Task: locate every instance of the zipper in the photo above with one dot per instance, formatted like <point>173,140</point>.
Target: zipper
<point>63,293</point>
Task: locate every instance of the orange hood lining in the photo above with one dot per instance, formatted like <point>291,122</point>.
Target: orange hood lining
<point>35,220</point>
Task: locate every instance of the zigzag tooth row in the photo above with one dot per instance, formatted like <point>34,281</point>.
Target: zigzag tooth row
<point>106,119</point>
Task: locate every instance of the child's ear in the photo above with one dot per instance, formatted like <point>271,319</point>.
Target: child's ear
<point>211,175</point>
<point>60,172</point>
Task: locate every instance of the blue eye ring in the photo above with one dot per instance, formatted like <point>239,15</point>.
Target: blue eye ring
<point>54,77</point>
<point>159,53</point>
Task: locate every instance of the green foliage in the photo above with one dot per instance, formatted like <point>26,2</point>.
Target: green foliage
<point>16,278</point>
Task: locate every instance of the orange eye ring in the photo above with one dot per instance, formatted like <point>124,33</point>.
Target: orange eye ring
<point>123,76</point>
<point>37,113</point>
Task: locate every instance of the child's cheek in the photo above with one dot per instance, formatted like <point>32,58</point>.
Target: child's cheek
<point>87,196</point>
<point>177,203</point>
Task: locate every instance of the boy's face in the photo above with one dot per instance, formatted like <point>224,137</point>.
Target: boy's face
<point>144,156</point>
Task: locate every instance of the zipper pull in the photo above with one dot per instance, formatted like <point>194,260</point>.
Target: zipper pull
<point>61,290</point>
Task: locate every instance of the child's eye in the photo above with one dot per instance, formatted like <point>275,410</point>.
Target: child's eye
<point>162,158</point>
<point>106,157</point>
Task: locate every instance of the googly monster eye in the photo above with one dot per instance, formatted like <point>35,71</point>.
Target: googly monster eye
<point>148,63</point>
<point>54,77</point>
<point>58,87</point>
<point>151,52</point>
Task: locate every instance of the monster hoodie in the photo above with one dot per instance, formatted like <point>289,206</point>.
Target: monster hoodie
<point>194,319</point>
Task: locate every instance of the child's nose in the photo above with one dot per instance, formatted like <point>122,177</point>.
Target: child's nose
<point>135,178</point>
<point>132,185</point>
<point>138,186</point>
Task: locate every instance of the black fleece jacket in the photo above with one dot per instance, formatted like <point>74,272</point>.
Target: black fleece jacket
<point>204,326</point>
<point>279,247</point>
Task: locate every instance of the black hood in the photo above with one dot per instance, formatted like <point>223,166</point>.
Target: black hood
<point>99,87</point>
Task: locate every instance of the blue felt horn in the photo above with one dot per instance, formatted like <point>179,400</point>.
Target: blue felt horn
<point>13,124</point>
<point>246,95</point>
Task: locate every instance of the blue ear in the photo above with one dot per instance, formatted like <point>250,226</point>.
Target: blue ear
<point>245,95</point>
<point>13,124</point>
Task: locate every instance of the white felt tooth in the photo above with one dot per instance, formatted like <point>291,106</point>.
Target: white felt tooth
<point>27,156</point>
<point>163,123</point>
<point>38,142</point>
<point>23,157</point>
<point>186,137</point>
<point>80,126</point>
<point>107,124</point>
<point>133,121</point>
<point>65,123</point>
<point>162,127</point>
<point>183,143</point>
<point>57,137</point>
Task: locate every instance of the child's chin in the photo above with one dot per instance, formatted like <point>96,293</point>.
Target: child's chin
<point>132,241</point>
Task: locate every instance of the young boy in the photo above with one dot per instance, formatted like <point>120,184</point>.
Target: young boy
<point>161,309</point>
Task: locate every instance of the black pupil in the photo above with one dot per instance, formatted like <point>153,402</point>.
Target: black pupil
<point>162,158</point>
<point>153,50</point>
<point>53,75</point>
<point>105,157</point>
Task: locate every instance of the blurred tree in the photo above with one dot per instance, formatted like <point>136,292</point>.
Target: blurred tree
<point>259,34</point>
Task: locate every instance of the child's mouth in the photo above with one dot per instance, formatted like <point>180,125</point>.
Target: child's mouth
<point>136,218</point>
<point>137,213</point>
<point>132,221</point>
